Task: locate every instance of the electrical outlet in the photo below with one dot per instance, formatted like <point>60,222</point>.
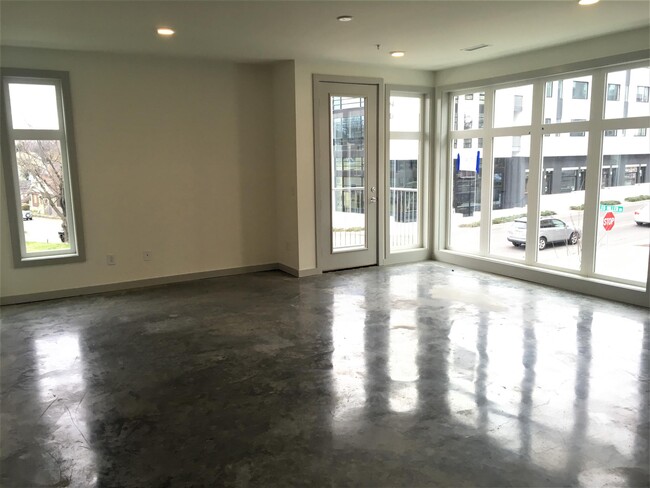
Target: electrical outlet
<point>110,259</point>
<point>146,255</point>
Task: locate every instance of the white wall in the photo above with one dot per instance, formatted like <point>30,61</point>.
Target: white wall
<point>284,126</point>
<point>174,156</point>
<point>305,136</point>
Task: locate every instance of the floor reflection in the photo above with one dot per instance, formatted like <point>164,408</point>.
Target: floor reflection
<point>348,358</point>
<point>417,375</point>
<point>402,366</point>
<point>403,345</point>
<point>535,381</point>
<point>62,390</point>
<point>548,390</point>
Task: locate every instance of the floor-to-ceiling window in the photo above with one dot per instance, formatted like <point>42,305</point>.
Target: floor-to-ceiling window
<point>552,172</point>
<point>407,169</point>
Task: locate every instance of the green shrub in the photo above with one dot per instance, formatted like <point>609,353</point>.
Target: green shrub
<point>347,229</point>
<point>577,207</point>
<point>471,224</point>
<point>511,218</point>
<point>638,198</point>
<point>25,206</point>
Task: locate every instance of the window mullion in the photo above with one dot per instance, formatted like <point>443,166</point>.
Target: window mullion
<point>487,171</point>
<point>592,184</point>
<point>535,173</point>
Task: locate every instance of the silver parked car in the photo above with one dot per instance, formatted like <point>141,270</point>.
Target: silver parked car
<point>551,230</point>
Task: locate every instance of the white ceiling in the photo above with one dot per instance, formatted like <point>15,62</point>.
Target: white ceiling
<point>433,33</point>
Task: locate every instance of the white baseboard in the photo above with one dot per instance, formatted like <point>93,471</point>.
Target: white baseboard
<point>129,285</point>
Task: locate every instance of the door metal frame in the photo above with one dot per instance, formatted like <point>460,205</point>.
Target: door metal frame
<point>321,241</point>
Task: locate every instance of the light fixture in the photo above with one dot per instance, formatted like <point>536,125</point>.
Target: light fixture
<point>397,54</point>
<point>344,18</point>
<point>587,2</point>
<point>165,31</point>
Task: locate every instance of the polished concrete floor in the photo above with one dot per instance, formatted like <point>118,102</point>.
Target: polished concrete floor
<point>420,375</point>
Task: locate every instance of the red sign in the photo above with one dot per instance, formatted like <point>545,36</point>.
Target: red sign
<point>608,221</point>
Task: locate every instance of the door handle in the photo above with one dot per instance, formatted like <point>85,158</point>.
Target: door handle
<point>373,199</point>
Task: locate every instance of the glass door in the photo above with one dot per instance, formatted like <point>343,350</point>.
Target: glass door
<point>346,121</point>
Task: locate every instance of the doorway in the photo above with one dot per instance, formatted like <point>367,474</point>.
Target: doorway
<point>346,133</point>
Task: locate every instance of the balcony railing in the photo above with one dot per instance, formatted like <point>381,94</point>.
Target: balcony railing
<point>349,223</point>
<point>404,227</point>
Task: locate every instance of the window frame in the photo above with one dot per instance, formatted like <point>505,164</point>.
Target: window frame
<point>65,135</point>
<point>482,259</point>
<point>422,250</point>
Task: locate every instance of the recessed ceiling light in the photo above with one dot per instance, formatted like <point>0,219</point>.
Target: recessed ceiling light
<point>397,54</point>
<point>344,18</point>
<point>165,31</point>
<point>587,2</point>
<point>475,48</point>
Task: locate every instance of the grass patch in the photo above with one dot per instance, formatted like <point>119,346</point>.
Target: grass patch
<point>638,198</point>
<point>508,218</point>
<point>577,207</point>
<point>610,202</point>
<point>46,246</point>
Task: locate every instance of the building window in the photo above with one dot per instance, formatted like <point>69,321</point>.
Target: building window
<point>580,90</point>
<point>519,103</point>
<point>469,96</point>
<point>549,89</point>
<point>641,132</point>
<point>38,142</point>
<point>613,92</point>
<point>611,133</point>
<point>642,94</point>
<point>467,143</point>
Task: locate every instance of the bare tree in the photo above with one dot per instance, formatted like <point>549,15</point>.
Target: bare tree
<point>40,162</point>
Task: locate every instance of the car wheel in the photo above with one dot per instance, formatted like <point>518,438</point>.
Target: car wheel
<point>573,239</point>
<point>516,244</point>
<point>542,243</point>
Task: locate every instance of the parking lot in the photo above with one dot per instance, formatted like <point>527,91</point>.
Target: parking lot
<point>621,252</point>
